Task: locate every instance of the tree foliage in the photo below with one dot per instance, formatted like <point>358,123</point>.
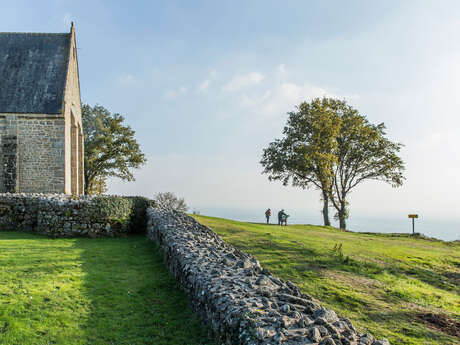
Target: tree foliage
<point>169,201</point>
<point>97,186</point>
<point>110,148</point>
<point>363,153</point>
<point>327,144</point>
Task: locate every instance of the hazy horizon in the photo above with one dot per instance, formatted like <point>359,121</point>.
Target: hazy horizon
<point>443,229</point>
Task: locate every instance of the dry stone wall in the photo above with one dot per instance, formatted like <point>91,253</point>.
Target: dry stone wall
<point>61,215</point>
<point>243,302</point>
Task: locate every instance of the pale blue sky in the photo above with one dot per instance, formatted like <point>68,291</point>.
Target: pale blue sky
<point>206,85</point>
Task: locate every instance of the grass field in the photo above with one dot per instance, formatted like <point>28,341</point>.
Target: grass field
<point>90,291</point>
<point>401,288</point>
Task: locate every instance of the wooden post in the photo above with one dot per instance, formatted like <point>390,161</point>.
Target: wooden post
<point>413,216</point>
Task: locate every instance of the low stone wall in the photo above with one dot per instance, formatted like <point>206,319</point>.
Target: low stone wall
<point>243,302</point>
<point>61,215</point>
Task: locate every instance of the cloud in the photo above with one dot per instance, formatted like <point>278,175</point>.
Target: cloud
<point>203,86</point>
<point>241,81</point>
<point>437,139</point>
<point>282,68</point>
<point>126,78</point>
<point>283,98</point>
<point>174,93</point>
<point>213,74</point>
<point>255,100</point>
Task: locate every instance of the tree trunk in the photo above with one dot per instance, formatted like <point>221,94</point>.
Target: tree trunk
<point>327,222</point>
<point>342,216</point>
<point>86,184</point>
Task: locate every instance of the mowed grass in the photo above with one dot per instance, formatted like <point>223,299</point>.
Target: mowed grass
<point>382,283</point>
<point>90,291</point>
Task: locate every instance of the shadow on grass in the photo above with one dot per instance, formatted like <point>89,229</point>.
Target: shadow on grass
<point>299,256</point>
<point>407,328</point>
<point>134,299</point>
<point>90,292</point>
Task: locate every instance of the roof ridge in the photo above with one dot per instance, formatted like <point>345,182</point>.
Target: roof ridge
<point>37,33</point>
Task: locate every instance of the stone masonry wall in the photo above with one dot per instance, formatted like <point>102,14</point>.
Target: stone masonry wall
<point>39,166</point>
<point>73,120</point>
<point>9,159</point>
<point>41,154</point>
<point>242,301</point>
<point>60,215</point>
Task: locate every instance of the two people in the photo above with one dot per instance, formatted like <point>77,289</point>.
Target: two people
<point>282,217</point>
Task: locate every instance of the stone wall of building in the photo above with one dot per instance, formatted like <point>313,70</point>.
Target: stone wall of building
<point>41,154</point>
<point>243,302</point>
<point>74,143</point>
<point>32,153</point>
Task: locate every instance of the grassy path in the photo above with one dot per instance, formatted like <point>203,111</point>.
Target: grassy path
<point>90,291</point>
<point>384,284</point>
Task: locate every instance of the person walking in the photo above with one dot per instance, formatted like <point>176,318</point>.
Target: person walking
<point>268,213</point>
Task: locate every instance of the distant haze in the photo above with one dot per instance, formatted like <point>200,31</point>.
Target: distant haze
<point>206,86</point>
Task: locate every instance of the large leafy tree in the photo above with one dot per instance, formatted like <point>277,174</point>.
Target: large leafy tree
<point>305,155</point>
<point>110,148</point>
<point>329,145</point>
<point>363,153</point>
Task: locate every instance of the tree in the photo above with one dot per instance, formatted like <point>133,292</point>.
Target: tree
<point>110,148</point>
<point>169,201</point>
<point>363,153</point>
<point>329,145</point>
<point>305,155</point>
<point>97,186</point>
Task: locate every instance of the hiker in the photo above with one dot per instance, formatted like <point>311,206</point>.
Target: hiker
<point>268,213</point>
<point>280,217</point>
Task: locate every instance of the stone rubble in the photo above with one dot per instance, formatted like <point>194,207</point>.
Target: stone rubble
<point>242,301</point>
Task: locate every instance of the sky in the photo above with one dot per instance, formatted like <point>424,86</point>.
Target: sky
<point>206,86</point>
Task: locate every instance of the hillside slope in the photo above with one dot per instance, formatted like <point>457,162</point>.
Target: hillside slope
<point>398,287</point>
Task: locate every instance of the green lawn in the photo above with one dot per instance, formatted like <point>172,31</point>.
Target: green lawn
<point>384,284</point>
<point>90,291</point>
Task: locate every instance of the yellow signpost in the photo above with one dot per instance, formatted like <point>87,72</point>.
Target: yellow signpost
<point>413,216</point>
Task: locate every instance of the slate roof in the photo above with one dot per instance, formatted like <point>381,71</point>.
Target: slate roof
<point>33,72</point>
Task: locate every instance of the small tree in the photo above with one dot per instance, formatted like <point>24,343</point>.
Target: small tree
<point>110,148</point>
<point>169,201</point>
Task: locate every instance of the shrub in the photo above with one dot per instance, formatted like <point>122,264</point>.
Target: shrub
<point>126,214</point>
<point>138,220</point>
<point>169,201</point>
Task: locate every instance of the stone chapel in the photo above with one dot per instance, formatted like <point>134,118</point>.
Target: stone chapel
<point>41,135</point>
